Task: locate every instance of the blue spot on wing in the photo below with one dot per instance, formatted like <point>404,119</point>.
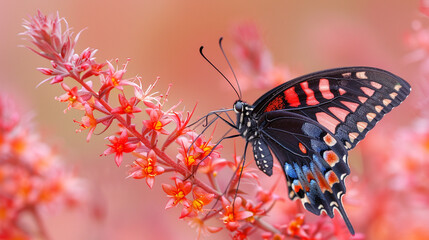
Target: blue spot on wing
<point>290,171</point>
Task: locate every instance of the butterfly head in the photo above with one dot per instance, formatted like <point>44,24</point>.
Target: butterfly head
<point>239,106</point>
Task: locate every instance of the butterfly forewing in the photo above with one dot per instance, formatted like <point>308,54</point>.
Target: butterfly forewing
<point>347,101</point>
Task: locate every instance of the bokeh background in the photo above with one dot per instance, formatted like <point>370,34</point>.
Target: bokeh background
<point>162,39</point>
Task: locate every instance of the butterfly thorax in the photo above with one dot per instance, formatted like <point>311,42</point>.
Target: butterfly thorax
<point>246,122</point>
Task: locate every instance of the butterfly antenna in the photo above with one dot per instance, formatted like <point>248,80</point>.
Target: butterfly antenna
<point>201,52</point>
<point>230,67</point>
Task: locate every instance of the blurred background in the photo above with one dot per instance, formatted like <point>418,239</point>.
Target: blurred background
<point>162,39</point>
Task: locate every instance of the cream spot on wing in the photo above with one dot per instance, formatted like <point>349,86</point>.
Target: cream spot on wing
<point>361,75</point>
<point>378,108</point>
<point>393,95</point>
<point>346,75</point>
<point>361,126</point>
<point>348,145</point>
<point>370,116</point>
<point>376,85</point>
<point>386,102</point>
<point>353,136</point>
<point>397,87</point>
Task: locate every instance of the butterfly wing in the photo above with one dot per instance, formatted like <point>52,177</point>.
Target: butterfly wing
<point>312,158</point>
<point>347,101</point>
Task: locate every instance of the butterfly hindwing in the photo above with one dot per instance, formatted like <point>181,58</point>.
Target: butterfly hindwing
<point>347,101</point>
<point>313,160</point>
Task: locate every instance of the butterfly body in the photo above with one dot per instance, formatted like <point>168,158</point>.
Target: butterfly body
<point>311,122</point>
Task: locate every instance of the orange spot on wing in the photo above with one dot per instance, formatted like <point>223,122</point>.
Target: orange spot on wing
<point>297,187</point>
<point>351,105</point>
<point>324,88</point>
<point>327,121</point>
<point>339,112</point>
<point>276,104</point>
<point>309,176</point>
<point>292,97</point>
<point>330,157</point>
<point>323,184</point>
<point>329,140</point>
<point>302,148</point>
<point>362,99</point>
<point>332,178</point>
<point>367,91</point>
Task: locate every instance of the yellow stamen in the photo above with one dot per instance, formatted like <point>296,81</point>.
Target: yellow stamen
<point>72,99</point>
<point>128,109</point>
<point>190,160</point>
<point>115,81</point>
<point>197,204</point>
<point>157,126</point>
<point>179,196</point>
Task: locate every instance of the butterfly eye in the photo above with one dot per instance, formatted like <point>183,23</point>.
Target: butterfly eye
<point>238,106</point>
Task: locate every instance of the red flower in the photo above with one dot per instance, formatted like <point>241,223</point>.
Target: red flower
<point>119,146</point>
<point>72,97</point>
<point>295,226</point>
<point>232,214</point>
<point>202,228</point>
<point>245,172</point>
<point>242,234</point>
<point>127,107</point>
<point>181,126</point>
<point>88,121</point>
<point>145,167</point>
<point>186,153</point>
<point>201,198</point>
<point>267,196</point>
<point>113,79</point>
<point>146,96</point>
<point>177,194</point>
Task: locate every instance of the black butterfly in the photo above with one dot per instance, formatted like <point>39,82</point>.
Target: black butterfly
<point>311,122</point>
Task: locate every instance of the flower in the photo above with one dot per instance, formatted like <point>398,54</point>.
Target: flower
<point>127,107</point>
<point>55,44</point>
<point>146,96</point>
<point>113,79</point>
<point>145,167</point>
<point>202,228</point>
<point>201,198</point>
<point>88,121</point>
<point>177,194</point>
<point>181,126</point>
<point>70,96</point>
<point>157,121</point>
<point>243,171</point>
<point>32,177</point>
<point>294,227</point>
<point>119,146</point>
<point>231,213</point>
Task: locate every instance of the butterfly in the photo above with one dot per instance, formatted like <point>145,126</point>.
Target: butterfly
<point>311,122</point>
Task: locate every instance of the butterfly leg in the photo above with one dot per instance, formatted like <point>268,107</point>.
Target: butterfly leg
<point>243,160</point>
